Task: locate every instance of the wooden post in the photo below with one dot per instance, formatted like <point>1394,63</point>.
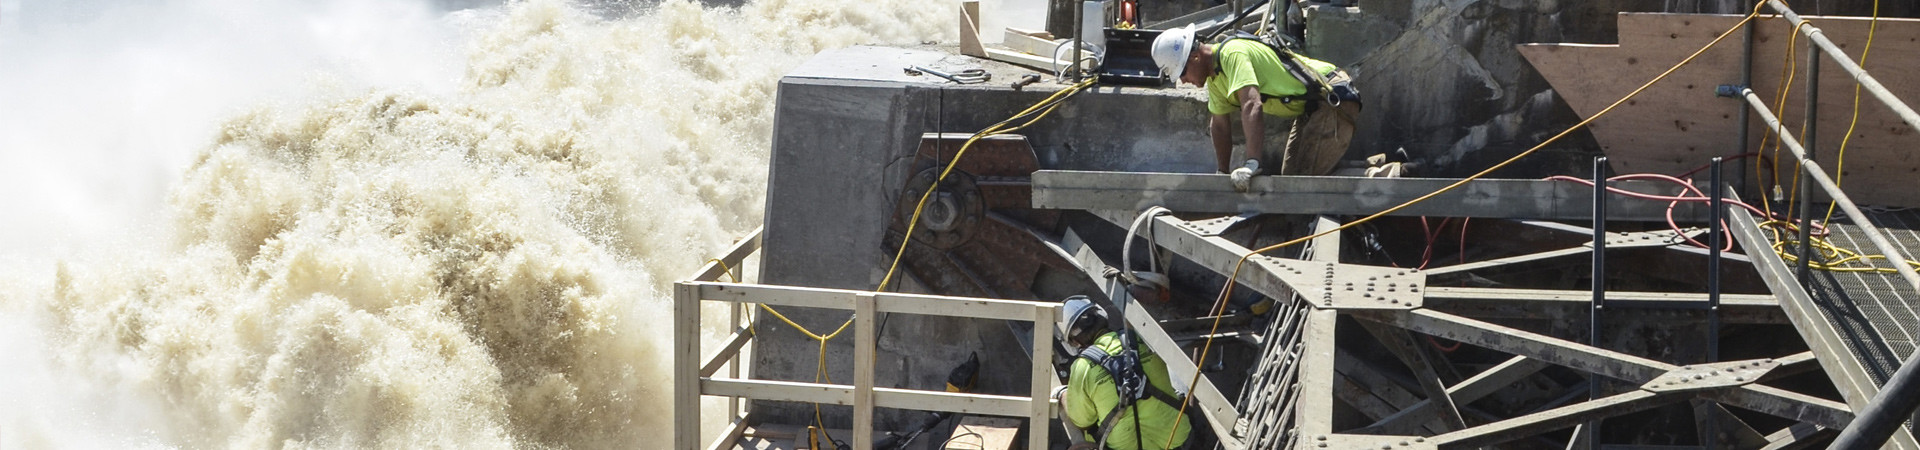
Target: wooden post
<point>863,354</point>
<point>1043,377</point>
<point>970,29</point>
<point>686,366</point>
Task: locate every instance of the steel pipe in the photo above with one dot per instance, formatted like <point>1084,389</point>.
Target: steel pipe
<point>1839,197</point>
<point>1891,405</point>
<point>1746,79</point>
<point>1867,82</point>
<point>1592,427</point>
<point>1810,146</point>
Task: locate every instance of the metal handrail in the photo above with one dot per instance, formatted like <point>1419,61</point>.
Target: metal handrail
<point>1867,82</point>
<point>1819,176</point>
<point>1889,407</point>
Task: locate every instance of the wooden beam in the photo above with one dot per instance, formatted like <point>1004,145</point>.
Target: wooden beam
<point>888,302</point>
<point>841,394</point>
<point>730,262</point>
<point>970,29</point>
<point>721,358</point>
<point>863,359</point>
<point>686,366</point>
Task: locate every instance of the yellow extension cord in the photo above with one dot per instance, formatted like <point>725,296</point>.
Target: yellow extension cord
<point>1044,107</point>
<point>1227,290</point>
<point>1833,258</point>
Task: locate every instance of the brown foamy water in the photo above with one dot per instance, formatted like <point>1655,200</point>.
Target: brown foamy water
<point>475,252</point>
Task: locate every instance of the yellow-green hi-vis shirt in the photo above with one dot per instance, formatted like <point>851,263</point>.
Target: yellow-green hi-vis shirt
<point>1245,62</point>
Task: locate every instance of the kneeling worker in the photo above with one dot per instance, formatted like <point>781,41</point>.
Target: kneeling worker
<point>1093,398</point>
<point>1246,77</point>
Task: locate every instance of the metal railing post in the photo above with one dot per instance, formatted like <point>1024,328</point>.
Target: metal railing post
<point>1592,427</point>
<point>1867,82</point>
<point>1746,79</point>
<point>1079,25</point>
<point>1810,143</point>
<point>1715,235</point>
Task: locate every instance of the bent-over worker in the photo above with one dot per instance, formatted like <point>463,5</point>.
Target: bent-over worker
<point>1245,79</point>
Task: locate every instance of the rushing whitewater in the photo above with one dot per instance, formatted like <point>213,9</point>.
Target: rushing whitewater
<point>354,257</point>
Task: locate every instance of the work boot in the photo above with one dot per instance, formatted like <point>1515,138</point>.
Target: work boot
<point>1243,177</point>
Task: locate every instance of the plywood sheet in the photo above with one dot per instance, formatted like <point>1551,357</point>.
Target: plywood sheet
<point>1679,124</point>
<point>984,433</point>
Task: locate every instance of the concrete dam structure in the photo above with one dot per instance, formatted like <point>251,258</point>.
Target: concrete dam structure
<point>1493,298</point>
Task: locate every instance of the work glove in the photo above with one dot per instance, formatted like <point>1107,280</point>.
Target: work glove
<point>1243,176</point>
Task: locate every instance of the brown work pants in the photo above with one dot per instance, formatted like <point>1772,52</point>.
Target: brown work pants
<point>1317,141</point>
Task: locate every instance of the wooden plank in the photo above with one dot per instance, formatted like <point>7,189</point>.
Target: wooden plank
<point>863,355</point>
<point>1678,124</point>
<point>686,366</point>
<point>1046,63</point>
<point>727,352</point>
<point>937,305</point>
<point>983,433</point>
<point>970,29</point>
<point>840,394</point>
<point>729,263</point>
<point>1020,40</point>
<point>1042,378</point>
<point>730,437</point>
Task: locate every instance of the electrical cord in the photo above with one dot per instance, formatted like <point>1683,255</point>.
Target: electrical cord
<point>1226,291</point>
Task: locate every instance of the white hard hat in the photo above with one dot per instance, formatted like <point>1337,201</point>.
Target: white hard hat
<point>1171,49</point>
<point>1081,315</point>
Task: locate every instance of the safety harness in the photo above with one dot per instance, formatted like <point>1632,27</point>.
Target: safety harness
<point>1129,380</point>
<point>1315,82</point>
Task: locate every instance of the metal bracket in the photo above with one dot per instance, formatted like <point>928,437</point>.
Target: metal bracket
<point>1215,226</point>
<point>1657,238</point>
<point>1699,377</point>
<point>1367,442</point>
<point>1349,286</point>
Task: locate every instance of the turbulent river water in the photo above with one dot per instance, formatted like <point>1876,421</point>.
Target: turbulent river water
<point>360,223</point>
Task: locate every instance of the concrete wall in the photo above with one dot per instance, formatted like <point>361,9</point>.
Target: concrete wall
<point>845,124</point>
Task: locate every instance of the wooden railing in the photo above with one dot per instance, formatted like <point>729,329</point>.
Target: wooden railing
<point>694,376</point>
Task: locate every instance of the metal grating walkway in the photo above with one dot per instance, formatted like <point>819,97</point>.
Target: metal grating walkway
<point>1876,314</point>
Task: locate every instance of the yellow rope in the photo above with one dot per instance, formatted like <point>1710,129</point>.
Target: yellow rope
<point>1226,291</point>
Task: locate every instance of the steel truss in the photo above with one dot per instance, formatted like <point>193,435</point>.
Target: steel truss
<point>1289,401</point>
